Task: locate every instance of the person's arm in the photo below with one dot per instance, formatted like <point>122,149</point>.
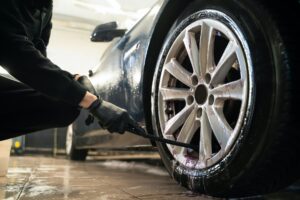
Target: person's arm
<point>91,96</point>
<point>26,63</point>
<point>20,57</point>
<point>47,31</point>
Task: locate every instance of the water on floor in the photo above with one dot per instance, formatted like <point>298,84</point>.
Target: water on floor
<point>39,178</point>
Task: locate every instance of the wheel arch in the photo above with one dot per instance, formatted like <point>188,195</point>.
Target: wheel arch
<point>171,11</point>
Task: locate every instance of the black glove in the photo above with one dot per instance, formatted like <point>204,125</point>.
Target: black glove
<point>87,84</point>
<point>112,117</point>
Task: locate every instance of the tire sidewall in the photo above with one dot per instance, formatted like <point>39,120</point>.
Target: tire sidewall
<point>236,166</point>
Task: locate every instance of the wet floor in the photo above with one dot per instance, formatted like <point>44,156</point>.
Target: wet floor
<point>48,178</point>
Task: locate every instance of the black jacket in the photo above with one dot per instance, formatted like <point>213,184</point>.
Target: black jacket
<point>25,27</point>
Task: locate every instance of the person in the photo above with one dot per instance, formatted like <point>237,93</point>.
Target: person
<point>44,96</point>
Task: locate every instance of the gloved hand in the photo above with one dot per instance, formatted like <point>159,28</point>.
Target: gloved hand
<point>109,116</point>
<point>87,84</point>
<point>112,117</point>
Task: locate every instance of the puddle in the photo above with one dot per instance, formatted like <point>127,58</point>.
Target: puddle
<point>135,187</point>
<point>13,188</point>
<point>9,198</point>
<point>134,166</point>
<point>19,170</point>
<point>49,169</point>
<point>42,190</point>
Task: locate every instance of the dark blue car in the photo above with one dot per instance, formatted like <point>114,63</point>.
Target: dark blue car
<point>218,74</point>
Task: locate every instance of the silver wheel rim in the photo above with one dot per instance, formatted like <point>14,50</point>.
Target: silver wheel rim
<point>69,139</point>
<point>204,92</point>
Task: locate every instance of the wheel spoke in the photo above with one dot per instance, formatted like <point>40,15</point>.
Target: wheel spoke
<point>174,93</point>
<point>227,60</point>
<point>192,50</point>
<point>232,90</point>
<point>205,150</point>
<point>179,72</point>
<point>219,125</point>
<point>187,131</point>
<point>206,48</point>
<point>175,122</point>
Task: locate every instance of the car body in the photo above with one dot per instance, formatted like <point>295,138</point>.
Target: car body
<point>119,78</point>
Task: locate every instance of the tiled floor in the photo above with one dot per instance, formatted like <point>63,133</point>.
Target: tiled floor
<point>48,178</point>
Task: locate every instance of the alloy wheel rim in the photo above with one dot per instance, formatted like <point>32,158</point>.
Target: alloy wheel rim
<point>203,92</point>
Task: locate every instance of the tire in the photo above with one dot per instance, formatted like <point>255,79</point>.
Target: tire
<point>254,150</point>
<point>71,151</point>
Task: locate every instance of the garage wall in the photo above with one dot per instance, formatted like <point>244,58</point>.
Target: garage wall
<point>72,50</point>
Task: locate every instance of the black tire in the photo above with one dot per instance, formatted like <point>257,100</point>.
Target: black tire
<point>265,156</point>
<point>71,151</point>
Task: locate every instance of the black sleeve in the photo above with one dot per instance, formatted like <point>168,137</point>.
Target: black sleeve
<point>47,31</point>
<point>22,60</point>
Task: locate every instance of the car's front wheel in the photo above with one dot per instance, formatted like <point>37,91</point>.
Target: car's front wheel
<point>223,82</point>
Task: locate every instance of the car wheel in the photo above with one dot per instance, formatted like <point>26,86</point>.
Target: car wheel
<point>223,81</point>
<point>71,151</point>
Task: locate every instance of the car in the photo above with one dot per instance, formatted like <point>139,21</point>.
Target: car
<point>218,74</point>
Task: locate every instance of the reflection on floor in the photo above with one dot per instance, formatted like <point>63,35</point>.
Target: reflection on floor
<point>49,178</point>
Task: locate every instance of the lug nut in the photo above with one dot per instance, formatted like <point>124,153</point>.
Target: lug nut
<point>194,80</point>
<point>207,78</point>
<point>190,100</point>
